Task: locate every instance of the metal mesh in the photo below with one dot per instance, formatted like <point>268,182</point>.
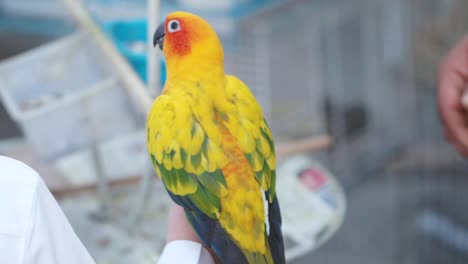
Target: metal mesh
<point>352,69</point>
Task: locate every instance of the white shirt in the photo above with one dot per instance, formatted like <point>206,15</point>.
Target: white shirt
<point>184,251</point>
<point>33,228</point>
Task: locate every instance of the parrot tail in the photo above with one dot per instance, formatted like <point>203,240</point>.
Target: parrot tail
<point>275,238</point>
<point>215,237</point>
<point>275,253</point>
<point>210,232</point>
<point>256,258</point>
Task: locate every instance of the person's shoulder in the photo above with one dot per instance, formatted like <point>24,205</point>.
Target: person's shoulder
<point>21,170</point>
<point>18,185</point>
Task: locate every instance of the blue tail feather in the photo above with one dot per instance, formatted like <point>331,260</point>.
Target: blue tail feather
<point>275,239</point>
<point>215,237</point>
<point>210,232</point>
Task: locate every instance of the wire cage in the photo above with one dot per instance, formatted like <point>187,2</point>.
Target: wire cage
<point>364,72</point>
<point>324,67</point>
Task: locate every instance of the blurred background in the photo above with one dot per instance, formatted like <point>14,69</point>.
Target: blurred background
<point>348,87</point>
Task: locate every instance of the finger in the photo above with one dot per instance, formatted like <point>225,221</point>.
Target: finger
<point>450,91</point>
<point>457,131</point>
<point>453,115</point>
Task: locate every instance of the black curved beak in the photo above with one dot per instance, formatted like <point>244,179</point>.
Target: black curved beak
<point>158,37</point>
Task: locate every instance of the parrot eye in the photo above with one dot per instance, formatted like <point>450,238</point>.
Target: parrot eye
<point>173,26</point>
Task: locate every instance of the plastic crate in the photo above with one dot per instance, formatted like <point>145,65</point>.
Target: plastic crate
<point>64,97</point>
<point>130,37</point>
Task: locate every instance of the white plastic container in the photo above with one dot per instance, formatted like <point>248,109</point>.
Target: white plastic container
<point>312,203</point>
<point>120,157</point>
<point>64,96</point>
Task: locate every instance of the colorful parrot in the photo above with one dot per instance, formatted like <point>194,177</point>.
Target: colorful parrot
<point>209,142</point>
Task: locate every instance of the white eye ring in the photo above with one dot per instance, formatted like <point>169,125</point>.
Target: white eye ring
<point>173,26</point>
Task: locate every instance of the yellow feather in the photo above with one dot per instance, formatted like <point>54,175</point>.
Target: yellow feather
<point>158,172</point>
<point>168,163</point>
<point>251,127</point>
<point>246,141</point>
<point>182,127</point>
<point>216,155</point>
<point>233,124</point>
<point>266,129</point>
<point>203,110</point>
<point>264,147</point>
<point>259,161</point>
<point>159,150</point>
<point>185,189</point>
<point>170,147</point>
<point>212,130</point>
<point>188,165</point>
<point>197,140</point>
<point>192,168</point>
<point>249,112</point>
<point>208,165</point>
<point>177,160</point>
<point>199,170</point>
<point>183,137</point>
<point>165,136</point>
<point>271,162</point>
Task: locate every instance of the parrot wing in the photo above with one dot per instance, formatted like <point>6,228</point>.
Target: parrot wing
<point>186,159</point>
<point>189,165</point>
<point>256,140</point>
<point>249,126</point>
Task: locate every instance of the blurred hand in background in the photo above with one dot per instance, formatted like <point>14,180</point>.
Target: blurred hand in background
<point>453,96</point>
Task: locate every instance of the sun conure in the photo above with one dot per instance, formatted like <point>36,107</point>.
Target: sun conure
<point>209,142</point>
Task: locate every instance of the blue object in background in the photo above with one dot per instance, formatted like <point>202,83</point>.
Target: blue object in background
<point>127,33</point>
<point>48,27</point>
<point>130,38</point>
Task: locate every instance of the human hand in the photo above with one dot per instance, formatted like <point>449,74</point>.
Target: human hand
<point>453,84</point>
<point>180,229</point>
<point>178,226</point>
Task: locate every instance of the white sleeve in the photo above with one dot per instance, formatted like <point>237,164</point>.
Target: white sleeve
<point>184,251</point>
<point>49,237</point>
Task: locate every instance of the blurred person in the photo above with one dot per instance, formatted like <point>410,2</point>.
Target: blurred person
<point>453,96</point>
<point>33,228</point>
